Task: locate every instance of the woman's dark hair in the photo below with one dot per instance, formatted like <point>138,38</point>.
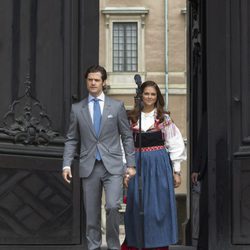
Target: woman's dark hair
<point>134,113</point>
<point>96,68</point>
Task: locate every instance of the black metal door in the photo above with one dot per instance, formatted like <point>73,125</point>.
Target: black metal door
<point>219,35</point>
<point>228,91</point>
<point>240,119</point>
<point>45,46</point>
<point>197,108</point>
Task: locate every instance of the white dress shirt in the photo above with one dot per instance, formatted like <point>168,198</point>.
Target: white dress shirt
<point>101,98</point>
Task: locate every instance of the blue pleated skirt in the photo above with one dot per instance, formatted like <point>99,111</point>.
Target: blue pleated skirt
<point>159,221</point>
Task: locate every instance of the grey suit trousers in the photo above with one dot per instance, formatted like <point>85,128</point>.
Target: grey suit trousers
<point>92,193</point>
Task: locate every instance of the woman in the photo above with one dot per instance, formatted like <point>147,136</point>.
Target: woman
<point>162,151</point>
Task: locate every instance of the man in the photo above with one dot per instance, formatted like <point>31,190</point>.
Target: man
<point>97,124</point>
<point>199,174</point>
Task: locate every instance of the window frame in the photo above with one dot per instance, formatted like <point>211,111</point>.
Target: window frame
<point>123,82</point>
<point>125,63</point>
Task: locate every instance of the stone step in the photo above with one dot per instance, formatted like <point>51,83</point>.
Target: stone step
<point>182,248</point>
<point>171,247</point>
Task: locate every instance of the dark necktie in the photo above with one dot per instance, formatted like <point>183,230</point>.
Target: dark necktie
<point>97,122</point>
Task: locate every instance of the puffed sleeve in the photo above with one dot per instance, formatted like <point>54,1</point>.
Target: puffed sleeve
<point>174,143</point>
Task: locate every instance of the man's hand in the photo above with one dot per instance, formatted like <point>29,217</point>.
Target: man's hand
<point>66,174</point>
<point>177,180</point>
<point>194,177</point>
<point>130,172</point>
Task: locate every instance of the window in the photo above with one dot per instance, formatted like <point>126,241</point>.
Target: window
<point>122,46</point>
<point>125,53</point>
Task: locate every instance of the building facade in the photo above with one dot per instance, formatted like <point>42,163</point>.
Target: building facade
<point>147,38</point>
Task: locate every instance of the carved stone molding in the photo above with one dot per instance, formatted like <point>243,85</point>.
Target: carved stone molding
<point>125,11</point>
<point>27,122</point>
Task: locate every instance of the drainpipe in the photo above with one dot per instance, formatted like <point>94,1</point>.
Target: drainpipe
<point>166,53</point>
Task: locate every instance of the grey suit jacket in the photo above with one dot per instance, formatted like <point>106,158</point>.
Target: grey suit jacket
<point>114,125</point>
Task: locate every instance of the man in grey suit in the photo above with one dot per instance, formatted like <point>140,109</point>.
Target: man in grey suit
<point>98,124</point>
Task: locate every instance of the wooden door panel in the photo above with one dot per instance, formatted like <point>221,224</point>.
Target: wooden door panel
<point>36,205</point>
<point>240,129</point>
<point>241,201</point>
<point>39,40</point>
<point>43,52</point>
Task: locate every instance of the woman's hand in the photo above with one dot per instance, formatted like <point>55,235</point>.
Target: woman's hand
<point>177,180</point>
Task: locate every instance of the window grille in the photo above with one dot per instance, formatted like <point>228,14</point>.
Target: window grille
<point>125,52</point>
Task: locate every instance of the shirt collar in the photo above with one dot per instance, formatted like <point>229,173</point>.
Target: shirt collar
<point>101,97</point>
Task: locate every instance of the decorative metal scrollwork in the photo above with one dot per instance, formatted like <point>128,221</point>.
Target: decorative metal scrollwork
<point>196,38</point>
<point>27,121</point>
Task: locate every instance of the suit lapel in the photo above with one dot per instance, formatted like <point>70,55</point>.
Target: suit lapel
<point>86,115</point>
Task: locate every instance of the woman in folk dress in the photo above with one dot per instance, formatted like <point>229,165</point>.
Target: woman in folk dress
<point>162,150</point>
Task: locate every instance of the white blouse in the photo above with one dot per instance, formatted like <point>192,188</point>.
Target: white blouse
<point>173,139</point>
